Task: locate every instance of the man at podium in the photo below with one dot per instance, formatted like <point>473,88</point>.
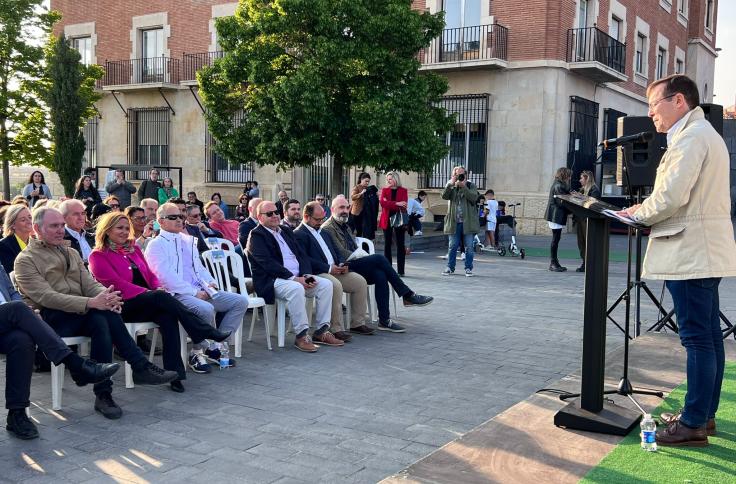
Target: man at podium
<point>691,247</point>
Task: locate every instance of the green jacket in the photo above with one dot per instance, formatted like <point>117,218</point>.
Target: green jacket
<point>465,197</point>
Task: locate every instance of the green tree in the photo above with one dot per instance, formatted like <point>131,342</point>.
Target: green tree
<point>318,76</point>
<point>69,92</point>
<point>23,128</point>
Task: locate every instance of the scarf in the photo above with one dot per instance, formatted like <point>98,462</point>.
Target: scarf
<point>125,248</point>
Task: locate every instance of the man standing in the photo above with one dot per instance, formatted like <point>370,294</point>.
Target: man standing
<point>292,214</point>
<point>281,270</point>
<point>374,268</point>
<point>323,256</point>
<point>75,218</point>
<point>461,221</point>
<point>149,188</point>
<point>121,188</point>
<point>281,203</point>
<point>691,247</point>
<point>53,278</point>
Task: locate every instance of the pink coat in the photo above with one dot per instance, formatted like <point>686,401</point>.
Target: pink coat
<point>112,268</point>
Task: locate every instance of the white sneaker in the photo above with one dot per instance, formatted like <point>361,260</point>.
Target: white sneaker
<point>462,256</point>
<point>447,272</point>
<point>468,273</point>
<point>418,232</point>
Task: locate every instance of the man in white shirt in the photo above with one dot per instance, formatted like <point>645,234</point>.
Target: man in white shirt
<point>75,218</point>
<point>174,258</point>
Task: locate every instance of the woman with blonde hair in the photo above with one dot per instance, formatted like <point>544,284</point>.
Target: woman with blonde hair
<point>17,230</point>
<point>394,200</point>
<point>556,214</point>
<point>590,189</point>
<point>117,261</point>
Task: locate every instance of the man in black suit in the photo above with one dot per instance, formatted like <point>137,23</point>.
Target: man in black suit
<point>20,331</point>
<point>281,270</point>
<point>326,262</point>
<point>75,217</point>
<point>375,268</point>
<point>250,223</point>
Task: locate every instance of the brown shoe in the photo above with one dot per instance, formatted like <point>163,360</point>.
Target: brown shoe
<point>305,344</point>
<point>677,434</point>
<point>363,329</point>
<point>343,336</point>
<point>668,418</point>
<point>328,339</point>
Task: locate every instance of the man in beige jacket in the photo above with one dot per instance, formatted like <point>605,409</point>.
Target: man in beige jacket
<point>691,247</point>
<point>52,277</point>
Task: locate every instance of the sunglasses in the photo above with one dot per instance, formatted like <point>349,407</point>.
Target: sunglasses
<point>270,213</point>
<point>115,206</point>
<point>174,218</point>
<point>319,199</point>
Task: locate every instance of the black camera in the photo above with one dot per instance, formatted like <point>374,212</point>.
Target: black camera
<point>461,177</point>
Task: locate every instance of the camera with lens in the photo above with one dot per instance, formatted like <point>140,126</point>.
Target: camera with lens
<point>461,177</point>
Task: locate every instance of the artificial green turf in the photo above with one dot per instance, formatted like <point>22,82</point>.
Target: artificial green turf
<point>716,463</point>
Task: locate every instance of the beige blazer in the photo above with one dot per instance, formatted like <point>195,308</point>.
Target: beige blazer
<point>692,236</point>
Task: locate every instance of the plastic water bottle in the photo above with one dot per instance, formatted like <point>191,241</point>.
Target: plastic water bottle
<point>224,356</point>
<point>648,433</point>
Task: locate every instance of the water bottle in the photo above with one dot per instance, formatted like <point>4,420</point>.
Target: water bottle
<point>224,356</point>
<point>648,433</point>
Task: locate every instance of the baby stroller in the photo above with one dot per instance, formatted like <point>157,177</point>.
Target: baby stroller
<point>506,234</point>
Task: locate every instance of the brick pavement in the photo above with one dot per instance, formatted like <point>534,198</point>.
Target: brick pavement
<point>353,414</point>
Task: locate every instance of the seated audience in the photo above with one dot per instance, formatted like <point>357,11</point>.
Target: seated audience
<point>241,211</point>
<point>199,229</point>
<point>17,231</point>
<point>116,261</point>
<point>292,214</point>
<point>322,200</point>
<point>320,249</point>
<point>374,268</point>
<point>113,202</point>
<point>280,269</point>
<point>217,198</point>
<point>193,200</point>
<point>217,221</point>
<point>98,211</point>
<point>121,188</point>
<point>174,259</point>
<point>75,217</point>
<point>250,223</point>
<point>149,206</point>
<point>19,200</point>
<point>53,278</point>
<point>142,228</point>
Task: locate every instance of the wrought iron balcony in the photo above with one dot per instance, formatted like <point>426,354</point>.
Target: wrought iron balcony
<point>194,62</point>
<point>597,55</point>
<point>477,45</point>
<point>140,73</point>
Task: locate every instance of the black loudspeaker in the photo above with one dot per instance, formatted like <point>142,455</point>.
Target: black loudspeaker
<point>642,158</point>
<point>714,114</point>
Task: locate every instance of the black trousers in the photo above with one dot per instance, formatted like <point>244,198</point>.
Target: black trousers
<point>388,234</point>
<point>556,235</point>
<point>356,223</point>
<point>378,271</point>
<point>105,328</point>
<point>581,227</point>
<point>165,310</point>
<point>20,331</point>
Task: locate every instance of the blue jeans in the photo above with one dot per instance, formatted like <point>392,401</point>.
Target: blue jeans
<point>454,241</point>
<point>697,312</point>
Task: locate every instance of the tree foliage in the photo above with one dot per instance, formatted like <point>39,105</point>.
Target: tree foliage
<point>23,125</point>
<point>319,76</point>
<point>68,89</point>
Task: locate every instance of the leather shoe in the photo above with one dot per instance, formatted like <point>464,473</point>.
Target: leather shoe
<point>20,425</point>
<point>219,336</point>
<point>176,386</point>
<point>668,418</point>
<point>343,336</point>
<point>417,300</point>
<point>305,344</point>
<point>93,372</point>
<point>107,406</point>
<point>327,338</point>
<point>153,375</point>
<point>677,434</point>
<point>581,268</point>
<point>363,329</point>
<point>555,266</point>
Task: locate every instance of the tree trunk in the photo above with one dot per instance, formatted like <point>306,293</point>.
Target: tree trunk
<point>5,156</point>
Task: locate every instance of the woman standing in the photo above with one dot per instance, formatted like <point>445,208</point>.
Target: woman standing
<point>167,191</point>
<point>118,261</point>
<point>87,193</point>
<point>394,200</point>
<point>36,189</point>
<point>17,231</point>
<point>364,207</point>
<point>556,214</point>
<point>590,189</point>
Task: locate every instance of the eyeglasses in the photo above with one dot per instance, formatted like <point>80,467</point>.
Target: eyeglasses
<point>319,199</point>
<point>656,103</point>
<point>270,213</point>
<point>114,206</point>
<point>174,218</point>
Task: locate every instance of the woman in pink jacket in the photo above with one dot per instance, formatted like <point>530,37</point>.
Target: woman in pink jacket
<point>117,261</point>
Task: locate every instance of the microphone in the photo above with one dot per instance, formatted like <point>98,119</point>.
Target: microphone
<point>642,137</point>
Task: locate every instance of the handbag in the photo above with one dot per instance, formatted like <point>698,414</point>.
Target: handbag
<point>399,219</point>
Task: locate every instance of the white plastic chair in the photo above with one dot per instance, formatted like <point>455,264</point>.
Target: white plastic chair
<point>57,372</point>
<point>368,246</point>
<point>223,244</point>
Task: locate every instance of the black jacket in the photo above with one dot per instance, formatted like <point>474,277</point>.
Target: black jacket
<point>194,231</point>
<point>313,251</point>
<point>244,229</point>
<point>9,250</point>
<point>555,211</point>
<point>75,245</point>
<point>267,263</point>
<point>280,209</point>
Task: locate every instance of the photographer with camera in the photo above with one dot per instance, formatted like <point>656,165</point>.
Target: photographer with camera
<point>461,221</point>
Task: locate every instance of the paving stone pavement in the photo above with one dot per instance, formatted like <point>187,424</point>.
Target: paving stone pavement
<point>352,414</point>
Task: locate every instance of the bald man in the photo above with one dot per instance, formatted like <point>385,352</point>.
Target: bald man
<point>248,224</point>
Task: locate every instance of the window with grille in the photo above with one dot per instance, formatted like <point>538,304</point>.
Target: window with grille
<point>148,137</point>
<point>218,169</point>
<point>89,131</point>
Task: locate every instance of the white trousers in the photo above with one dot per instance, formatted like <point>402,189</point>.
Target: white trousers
<point>295,295</point>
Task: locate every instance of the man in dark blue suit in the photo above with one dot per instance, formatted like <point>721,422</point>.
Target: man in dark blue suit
<point>326,263</point>
<point>281,270</point>
<point>250,223</point>
<point>20,331</point>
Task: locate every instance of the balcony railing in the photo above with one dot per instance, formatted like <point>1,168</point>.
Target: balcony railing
<point>150,70</point>
<point>194,62</point>
<point>480,42</point>
<point>593,45</point>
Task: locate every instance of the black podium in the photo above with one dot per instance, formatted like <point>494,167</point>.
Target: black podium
<point>590,412</point>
